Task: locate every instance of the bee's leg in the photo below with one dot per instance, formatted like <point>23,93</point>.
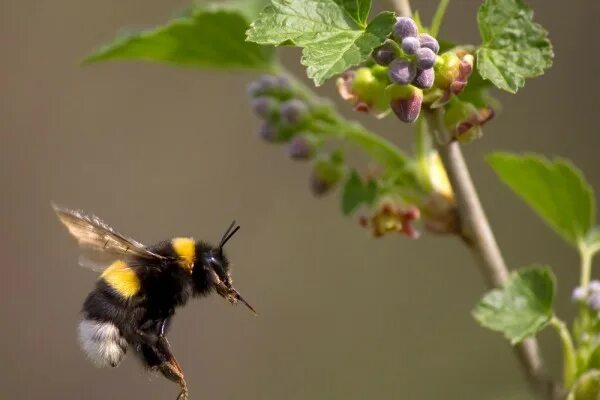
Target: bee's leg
<point>156,349</point>
<point>165,348</point>
<point>172,372</point>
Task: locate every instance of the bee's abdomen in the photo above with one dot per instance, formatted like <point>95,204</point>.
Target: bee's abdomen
<point>102,342</point>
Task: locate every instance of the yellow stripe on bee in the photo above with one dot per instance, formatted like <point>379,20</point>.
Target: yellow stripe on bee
<point>185,248</point>
<point>122,279</point>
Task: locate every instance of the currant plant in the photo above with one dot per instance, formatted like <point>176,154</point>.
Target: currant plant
<point>393,65</point>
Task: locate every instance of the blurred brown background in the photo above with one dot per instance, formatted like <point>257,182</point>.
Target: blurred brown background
<point>158,151</point>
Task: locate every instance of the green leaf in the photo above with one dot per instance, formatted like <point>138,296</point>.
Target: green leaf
<point>358,10</point>
<point>438,18</point>
<point>556,190</point>
<point>212,38</point>
<point>356,192</point>
<point>514,47</point>
<point>250,9</point>
<point>522,307</point>
<point>331,41</point>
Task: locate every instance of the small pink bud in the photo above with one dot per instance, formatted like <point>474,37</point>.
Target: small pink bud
<point>405,101</point>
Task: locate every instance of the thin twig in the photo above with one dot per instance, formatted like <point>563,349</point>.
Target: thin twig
<point>402,7</point>
<point>476,232</point>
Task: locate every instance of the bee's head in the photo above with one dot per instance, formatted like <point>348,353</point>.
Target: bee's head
<point>214,271</point>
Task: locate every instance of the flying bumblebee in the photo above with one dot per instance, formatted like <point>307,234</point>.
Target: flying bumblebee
<point>139,289</point>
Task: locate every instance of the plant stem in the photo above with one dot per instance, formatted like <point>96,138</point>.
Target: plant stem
<point>476,232</point>
<point>570,364</point>
<point>402,7</point>
<point>586,266</point>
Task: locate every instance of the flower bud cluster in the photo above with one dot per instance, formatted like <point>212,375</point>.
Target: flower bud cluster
<point>412,69</point>
<point>287,118</point>
<point>404,68</point>
<point>284,114</point>
<point>590,296</point>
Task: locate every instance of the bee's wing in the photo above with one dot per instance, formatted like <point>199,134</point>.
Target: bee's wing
<point>100,244</point>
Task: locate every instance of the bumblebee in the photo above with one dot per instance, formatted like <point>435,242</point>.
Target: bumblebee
<point>140,288</point>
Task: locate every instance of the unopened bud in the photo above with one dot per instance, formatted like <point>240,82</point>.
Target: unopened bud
<point>425,58</point>
<point>300,148</point>
<point>579,294</point>
<point>264,107</point>
<point>271,85</point>
<point>384,55</point>
<point>594,286</point>
<point>268,132</point>
<point>402,72</point>
<point>405,27</point>
<point>293,111</point>
<point>410,45</point>
<point>405,101</point>
<point>325,175</point>
<point>430,42</point>
<point>424,78</point>
<point>594,301</point>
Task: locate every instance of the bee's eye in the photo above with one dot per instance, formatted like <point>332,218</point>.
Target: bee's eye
<point>211,261</point>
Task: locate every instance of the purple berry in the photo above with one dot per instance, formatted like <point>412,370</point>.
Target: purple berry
<point>410,45</point>
<point>300,148</point>
<point>579,294</point>
<point>430,42</point>
<point>402,71</point>
<point>384,55</point>
<point>293,111</point>
<point>425,58</point>
<point>405,27</point>
<point>268,132</point>
<point>263,106</point>
<point>424,78</point>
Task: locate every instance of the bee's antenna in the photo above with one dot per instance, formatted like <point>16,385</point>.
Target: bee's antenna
<point>228,234</point>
